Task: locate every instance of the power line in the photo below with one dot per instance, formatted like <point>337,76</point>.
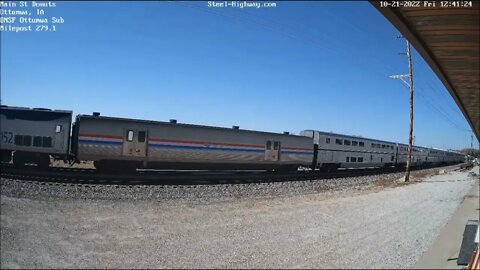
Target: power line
<point>303,37</point>
<point>441,114</point>
<point>326,43</point>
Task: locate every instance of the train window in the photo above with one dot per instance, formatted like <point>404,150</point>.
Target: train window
<point>47,141</point>
<point>37,141</point>
<point>361,144</point>
<point>338,141</point>
<point>27,140</point>
<point>371,157</point>
<point>346,142</point>
<point>269,145</point>
<point>18,140</point>
<point>354,143</point>
<point>381,159</point>
<point>360,159</point>
<point>276,145</point>
<point>141,136</point>
<point>353,159</point>
<point>129,135</point>
<point>373,145</point>
<point>58,128</point>
<point>327,140</point>
<point>348,159</point>
<point>383,145</point>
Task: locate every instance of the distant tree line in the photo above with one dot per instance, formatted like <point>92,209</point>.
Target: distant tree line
<point>471,152</point>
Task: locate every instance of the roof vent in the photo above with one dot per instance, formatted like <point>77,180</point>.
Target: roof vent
<point>42,109</point>
<point>96,114</point>
<point>286,133</point>
<point>173,121</point>
<point>236,127</point>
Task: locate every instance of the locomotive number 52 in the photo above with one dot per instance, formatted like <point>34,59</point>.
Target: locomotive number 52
<point>7,137</point>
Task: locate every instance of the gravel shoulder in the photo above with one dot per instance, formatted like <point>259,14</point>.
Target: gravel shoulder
<point>383,226</point>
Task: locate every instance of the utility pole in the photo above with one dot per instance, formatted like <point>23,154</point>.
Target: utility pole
<point>410,133</point>
<point>471,142</point>
<point>410,84</point>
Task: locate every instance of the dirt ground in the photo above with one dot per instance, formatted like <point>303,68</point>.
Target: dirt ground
<point>381,228</point>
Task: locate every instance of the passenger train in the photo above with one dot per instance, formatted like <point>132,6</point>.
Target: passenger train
<point>36,135</point>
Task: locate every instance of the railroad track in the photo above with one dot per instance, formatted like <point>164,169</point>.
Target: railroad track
<point>147,177</point>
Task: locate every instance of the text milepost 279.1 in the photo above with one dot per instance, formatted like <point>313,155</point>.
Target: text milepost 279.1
<point>29,16</point>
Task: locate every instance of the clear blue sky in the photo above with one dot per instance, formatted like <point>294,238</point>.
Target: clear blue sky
<point>301,65</point>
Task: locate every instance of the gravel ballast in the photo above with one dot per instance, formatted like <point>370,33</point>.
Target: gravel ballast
<point>306,224</point>
<point>219,192</point>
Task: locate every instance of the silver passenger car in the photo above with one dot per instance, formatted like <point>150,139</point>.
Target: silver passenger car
<point>33,135</point>
<point>116,143</point>
<point>419,155</point>
<point>343,151</point>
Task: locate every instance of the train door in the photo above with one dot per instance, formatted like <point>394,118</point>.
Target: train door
<point>59,137</point>
<point>272,150</point>
<point>135,143</point>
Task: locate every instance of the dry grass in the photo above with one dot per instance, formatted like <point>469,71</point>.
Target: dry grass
<point>421,175</point>
<point>416,176</point>
<point>387,181</point>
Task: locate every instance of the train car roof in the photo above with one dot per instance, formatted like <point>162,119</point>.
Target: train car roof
<point>349,136</point>
<point>375,140</point>
<point>5,107</point>
<point>183,124</point>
